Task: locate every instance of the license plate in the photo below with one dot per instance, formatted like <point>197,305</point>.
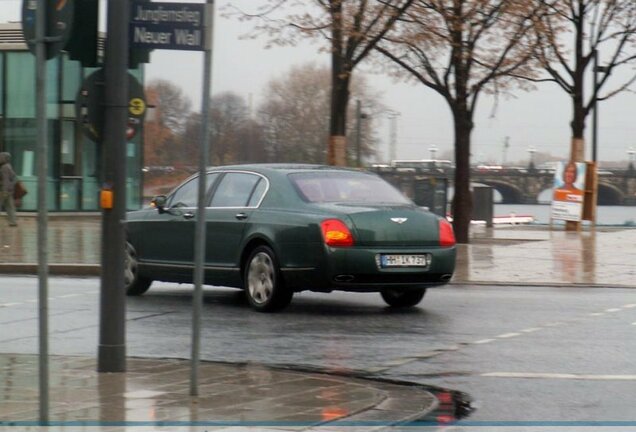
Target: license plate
<point>403,260</point>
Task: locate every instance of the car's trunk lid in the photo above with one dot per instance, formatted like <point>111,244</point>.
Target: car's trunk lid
<point>397,226</point>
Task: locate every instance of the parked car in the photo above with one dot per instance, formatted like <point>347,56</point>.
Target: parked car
<point>276,229</point>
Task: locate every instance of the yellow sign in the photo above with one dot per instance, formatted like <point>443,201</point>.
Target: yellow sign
<point>137,106</point>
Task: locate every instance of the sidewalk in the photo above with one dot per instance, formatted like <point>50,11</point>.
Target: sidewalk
<point>155,392</point>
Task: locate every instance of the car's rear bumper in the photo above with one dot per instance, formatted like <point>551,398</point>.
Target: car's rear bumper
<point>356,269</point>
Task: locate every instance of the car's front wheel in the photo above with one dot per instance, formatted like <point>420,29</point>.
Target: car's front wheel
<point>403,298</point>
<point>264,288</point>
<point>135,285</point>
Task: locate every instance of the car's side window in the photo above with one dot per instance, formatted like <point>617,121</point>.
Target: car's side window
<point>234,190</point>
<point>257,194</point>
<point>186,195</point>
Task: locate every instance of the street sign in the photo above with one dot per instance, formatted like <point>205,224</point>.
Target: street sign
<point>89,106</point>
<point>171,26</point>
<point>59,23</point>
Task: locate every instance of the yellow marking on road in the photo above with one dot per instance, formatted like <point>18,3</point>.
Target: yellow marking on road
<point>531,330</point>
<point>612,310</point>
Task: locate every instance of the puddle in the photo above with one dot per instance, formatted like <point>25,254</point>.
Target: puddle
<point>453,406</point>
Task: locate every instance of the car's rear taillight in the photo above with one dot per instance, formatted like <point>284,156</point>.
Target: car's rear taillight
<point>446,234</point>
<point>336,233</point>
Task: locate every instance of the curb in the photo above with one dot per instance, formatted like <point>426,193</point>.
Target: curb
<point>31,269</point>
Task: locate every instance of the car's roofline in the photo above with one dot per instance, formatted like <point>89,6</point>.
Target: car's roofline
<point>280,167</point>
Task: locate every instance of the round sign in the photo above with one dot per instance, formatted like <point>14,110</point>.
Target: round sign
<point>59,23</point>
<point>89,106</point>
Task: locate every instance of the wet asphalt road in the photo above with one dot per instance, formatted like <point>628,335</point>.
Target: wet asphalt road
<point>522,353</point>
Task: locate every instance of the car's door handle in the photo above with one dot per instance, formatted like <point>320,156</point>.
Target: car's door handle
<point>188,215</point>
<point>241,216</point>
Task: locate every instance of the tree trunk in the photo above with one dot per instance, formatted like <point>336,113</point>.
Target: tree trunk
<point>340,76</point>
<point>462,201</point>
<point>337,154</point>
<point>577,148</point>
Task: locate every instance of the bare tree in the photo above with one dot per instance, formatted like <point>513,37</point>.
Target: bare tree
<point>604,29</point>
<point>229,114</point>
<point>351,29</point>
<point>162,133</point>
<point>462,49</point>
<point>172,106</point>
<point>234,136</point>
<point>295,111</point>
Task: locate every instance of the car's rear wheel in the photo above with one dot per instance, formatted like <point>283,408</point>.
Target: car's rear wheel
<point>264,287</point>
<point>135,285</point>
<point>403,298</point>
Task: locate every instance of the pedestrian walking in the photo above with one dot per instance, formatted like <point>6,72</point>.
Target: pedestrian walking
<point>7,186</point>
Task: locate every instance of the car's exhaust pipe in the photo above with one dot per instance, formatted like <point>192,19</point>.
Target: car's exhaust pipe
<point>445,277</point>
<point>344,278</point>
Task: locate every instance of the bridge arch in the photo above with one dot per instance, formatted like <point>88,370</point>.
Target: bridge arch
<point>609,195</point>
<point>510,194</point>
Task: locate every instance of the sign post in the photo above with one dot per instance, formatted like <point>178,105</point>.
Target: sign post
<point>46,27</point>
<point>183,26</point>
<point>199,235</point>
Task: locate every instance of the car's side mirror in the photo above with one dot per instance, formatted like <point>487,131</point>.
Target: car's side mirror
<point>159,202</point>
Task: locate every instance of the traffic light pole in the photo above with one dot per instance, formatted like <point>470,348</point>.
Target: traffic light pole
<point>112,346</point>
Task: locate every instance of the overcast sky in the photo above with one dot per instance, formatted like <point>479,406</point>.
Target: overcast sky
<point>538,119</point>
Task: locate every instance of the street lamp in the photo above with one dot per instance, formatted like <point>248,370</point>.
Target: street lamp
<point>597,69</point>
<point>532,151</point>
<point>433,152</point>
<point>505,150</point>
<point>359,117</point>
<point>632,157</point>
<point>393,116</point>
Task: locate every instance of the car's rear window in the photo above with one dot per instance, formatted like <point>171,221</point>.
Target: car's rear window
<point>349,187</point>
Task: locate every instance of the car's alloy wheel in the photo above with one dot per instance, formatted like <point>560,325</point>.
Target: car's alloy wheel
<point>403,298</point>
<point>263,286</point>
<point>135,285</point>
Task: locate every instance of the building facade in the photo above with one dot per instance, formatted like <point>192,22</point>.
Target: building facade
<point>74,161</point>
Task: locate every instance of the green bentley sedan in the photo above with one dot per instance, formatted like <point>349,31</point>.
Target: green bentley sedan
<point>276,229</point>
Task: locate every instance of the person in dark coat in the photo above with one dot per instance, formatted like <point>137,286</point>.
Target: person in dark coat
<point>7,186</point>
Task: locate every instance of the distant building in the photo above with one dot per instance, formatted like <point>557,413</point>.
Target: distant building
<point>73,160</point>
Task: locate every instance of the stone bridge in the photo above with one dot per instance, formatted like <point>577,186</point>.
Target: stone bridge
<point>515,185</point>
<point>523,186</point>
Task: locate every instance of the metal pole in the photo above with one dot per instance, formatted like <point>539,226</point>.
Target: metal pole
<point>199,230</point>
<point>358,128</point>
<point>595,113</point>
<point>393,115</point>
<point>42,154</point>
<point>112,344</point>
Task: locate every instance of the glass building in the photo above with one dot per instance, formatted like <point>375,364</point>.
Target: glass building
<point>73,180</point>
